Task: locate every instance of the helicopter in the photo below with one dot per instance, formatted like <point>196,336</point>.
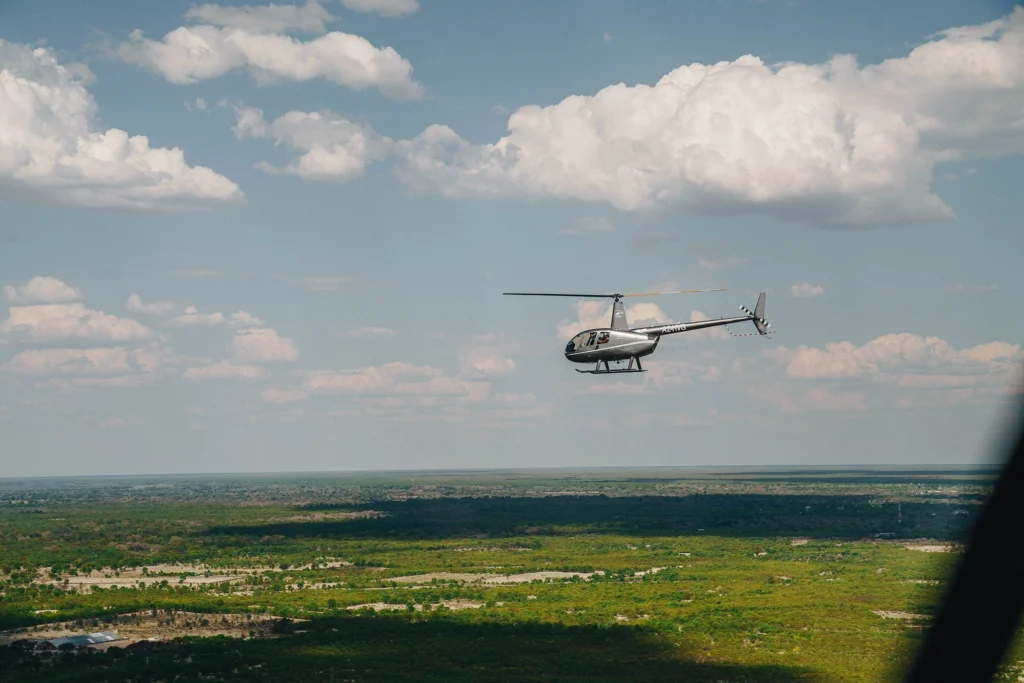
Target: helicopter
<point>618,342</point>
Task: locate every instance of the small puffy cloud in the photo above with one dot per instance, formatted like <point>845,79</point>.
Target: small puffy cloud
<point>51,149</point>
<point>190,54</point>
<point>280,396</point>
<point>487,355</point>
<point>385,8</point>
<point>225,370</point>
<point>371,333</point>
<point>42,290</point>
<point>272,18</point>
<point>192,317</point>
<point>70,322</point>
<point>485,361</point>
<point>243,319</point>
<point>806,291</point>
<point>588,225</point>
<point>137,305</point>
<point>333,147</point>
<point>263,345</point>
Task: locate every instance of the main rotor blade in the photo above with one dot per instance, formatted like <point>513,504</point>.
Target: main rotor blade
<point>682,291</point>
<point>585,296</point>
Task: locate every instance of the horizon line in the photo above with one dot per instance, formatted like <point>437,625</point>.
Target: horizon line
<point>909,466</point>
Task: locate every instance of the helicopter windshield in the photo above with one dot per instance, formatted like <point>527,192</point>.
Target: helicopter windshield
<point>578,342</point>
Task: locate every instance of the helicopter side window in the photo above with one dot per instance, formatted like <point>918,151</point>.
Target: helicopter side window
<point>602,338</point>
<point>590,341</point>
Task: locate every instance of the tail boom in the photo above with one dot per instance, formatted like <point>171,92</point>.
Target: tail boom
<point>756,316</point>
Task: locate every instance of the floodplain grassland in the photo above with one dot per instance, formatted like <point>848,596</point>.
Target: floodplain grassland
<point>553,575</point>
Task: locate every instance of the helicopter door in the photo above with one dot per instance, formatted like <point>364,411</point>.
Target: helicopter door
<point>602,338</point>
<point>590,339</point>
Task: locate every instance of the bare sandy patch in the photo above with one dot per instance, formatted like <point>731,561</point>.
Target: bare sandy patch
<point>536,576</point>
<point>85,584</point>
<point>652,570</point>
<point>139,626</point>
<point>931,548</point>
<point>178,574</point>
<point>886,614</point>
<point>490,579</point>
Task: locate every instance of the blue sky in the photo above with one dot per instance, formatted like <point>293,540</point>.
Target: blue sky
<point>318,271</point>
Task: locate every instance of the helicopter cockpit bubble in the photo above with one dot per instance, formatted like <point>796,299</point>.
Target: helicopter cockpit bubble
<point>577,343</point>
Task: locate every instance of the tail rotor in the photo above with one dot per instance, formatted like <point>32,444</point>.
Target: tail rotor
<point>757,316</point>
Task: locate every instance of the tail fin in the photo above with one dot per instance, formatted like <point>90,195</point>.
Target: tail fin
<point>757,315</point>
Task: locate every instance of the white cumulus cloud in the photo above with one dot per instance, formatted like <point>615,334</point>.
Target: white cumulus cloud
<point>192,317</point>
<point>70,322</point>
<point>485,361</point>
<point>805,290</point>
<point>96,361</point>
<point>263,345</point>
<point>893,355</point>
<point>137,305</point>
<point>243,319</point>
<point>42,290</point>
<point>51,149</point>
<point>333,148</point>
<point>189,54</point>
<point>834,143</point>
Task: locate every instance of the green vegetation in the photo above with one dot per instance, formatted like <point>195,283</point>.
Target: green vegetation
<point>556,575</point>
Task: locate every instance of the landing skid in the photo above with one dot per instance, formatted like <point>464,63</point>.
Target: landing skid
<point>608,371</point>
<point>618,371</point>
